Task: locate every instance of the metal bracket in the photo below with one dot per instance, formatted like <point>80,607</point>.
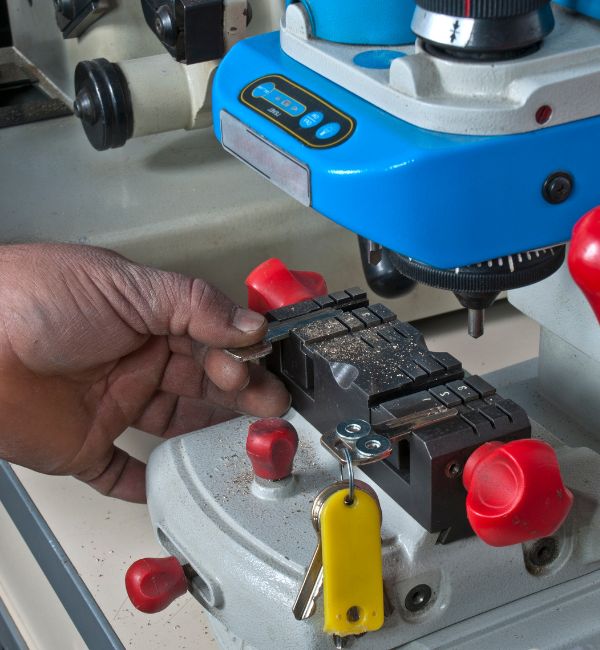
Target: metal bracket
<point>370,444</point>
<point>73,17</point>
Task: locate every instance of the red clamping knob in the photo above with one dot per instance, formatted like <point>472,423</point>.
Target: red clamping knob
<point>515,492</point>
<point>154,583</point>
<point>271,446</point>
<point>584,257</point>
<point>272,285</point>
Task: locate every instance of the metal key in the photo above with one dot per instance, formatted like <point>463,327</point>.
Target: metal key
<point>312,584</point>
<point>277,332</point>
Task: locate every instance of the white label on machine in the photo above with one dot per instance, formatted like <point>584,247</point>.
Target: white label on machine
<point>280,168</point>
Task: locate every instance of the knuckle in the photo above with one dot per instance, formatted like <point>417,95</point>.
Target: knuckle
<point>207,299</point>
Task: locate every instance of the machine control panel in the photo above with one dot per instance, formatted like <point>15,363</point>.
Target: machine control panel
<point>304,115</point>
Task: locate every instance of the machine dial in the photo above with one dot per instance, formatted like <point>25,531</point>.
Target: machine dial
<point>482,29</point>
<point>477,286</point>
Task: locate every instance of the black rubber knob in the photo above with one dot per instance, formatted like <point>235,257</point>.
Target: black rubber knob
<point>103,103</point>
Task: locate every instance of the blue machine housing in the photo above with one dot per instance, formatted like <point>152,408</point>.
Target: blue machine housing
<point>445,200</point>
<point>343,21</point>
<point>589,8</point>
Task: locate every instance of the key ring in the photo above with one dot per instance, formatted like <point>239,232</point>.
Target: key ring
<point>350,498</point>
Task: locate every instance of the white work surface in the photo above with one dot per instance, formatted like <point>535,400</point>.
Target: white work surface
<point>102,536</point>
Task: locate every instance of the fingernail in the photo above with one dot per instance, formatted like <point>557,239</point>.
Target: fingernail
<point>247,321</point>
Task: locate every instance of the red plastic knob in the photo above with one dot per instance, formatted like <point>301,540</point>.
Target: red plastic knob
<point>272,285</point>
<point>154,583</point>
<point>584,257</point>
<point>271,446</point>
<point>515,492</point>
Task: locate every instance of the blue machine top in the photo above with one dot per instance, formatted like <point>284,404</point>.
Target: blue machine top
<point>445,200</point>
<point>343,21</point>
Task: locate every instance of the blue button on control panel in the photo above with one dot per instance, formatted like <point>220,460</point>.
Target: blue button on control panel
<point>269,92</point>
<point>312,119</point>
<point>328,131</point>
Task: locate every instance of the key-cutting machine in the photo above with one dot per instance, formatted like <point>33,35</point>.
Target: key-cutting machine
<point>457,139</point>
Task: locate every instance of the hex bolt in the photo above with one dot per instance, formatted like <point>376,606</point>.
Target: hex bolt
<point>558,187</point>
<point>418,598</point>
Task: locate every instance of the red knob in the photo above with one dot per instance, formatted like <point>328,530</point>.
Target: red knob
<point>272,285</point>
<point>154,583</point>
<point>584,257</point>
<point>271,446</point>
<point>515,492</point>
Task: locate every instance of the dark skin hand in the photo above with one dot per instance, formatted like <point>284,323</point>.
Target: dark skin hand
<point>92,343</point>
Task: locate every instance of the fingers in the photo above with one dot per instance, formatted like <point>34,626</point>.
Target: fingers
<point>185,375</point>
<point>168,414</point>
<point>226,373</point>
<point>246,388</point>
<point>182,377</point>
<point>264,396</point>
<point>172,304</point>
<point>122,477</point>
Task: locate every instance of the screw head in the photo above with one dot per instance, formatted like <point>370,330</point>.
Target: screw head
<point>558,187</point>
<point>164,25</point>
<point>453,469</point>
<point>543,552</point>
<point>418,598</point>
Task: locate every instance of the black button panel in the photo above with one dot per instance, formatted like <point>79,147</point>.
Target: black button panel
<point>299,112</point>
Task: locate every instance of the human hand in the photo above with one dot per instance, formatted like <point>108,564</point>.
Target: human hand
<point>91,343</point>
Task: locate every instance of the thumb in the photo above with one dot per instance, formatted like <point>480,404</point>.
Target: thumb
<point>173,304</point>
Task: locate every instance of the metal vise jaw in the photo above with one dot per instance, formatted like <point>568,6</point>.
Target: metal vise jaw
<point>361,362</point>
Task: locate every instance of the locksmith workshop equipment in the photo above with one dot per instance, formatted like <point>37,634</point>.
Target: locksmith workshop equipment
<point>463,161</point>
<point>401,500</point>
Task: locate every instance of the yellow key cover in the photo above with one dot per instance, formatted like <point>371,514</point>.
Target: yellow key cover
<point>352,571</point>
